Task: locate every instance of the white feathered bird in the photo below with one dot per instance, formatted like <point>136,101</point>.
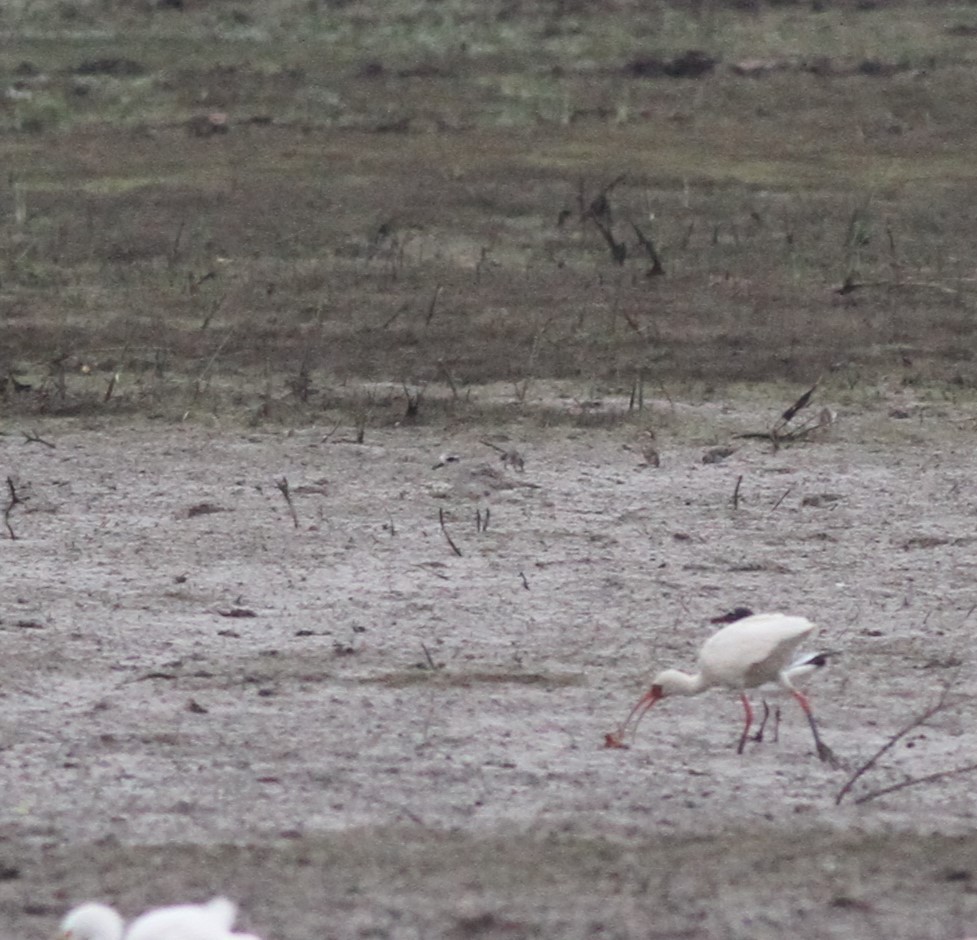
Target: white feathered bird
<point>747,653</point>
<point>211,921</point>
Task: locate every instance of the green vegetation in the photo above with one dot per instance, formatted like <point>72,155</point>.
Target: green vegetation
<point>461,193</point>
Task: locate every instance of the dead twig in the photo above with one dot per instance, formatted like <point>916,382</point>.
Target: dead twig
<point>656,269</point>
<point>174,252</point>
<point>446,372</point>
<point>433,305</point>
<point>389,321</point>
<point>810,428</point>
<point>413,403</point>
<point>801,402</point>
<point>600,206</point>
<point>436,573</point>
<point>619,251</point>
<point>214,308</point>
<point>335,428</point>
<point>431,664</point>
<point>637,399</point>
<point>447,534</point>
<point>13,501</point>
<point>203,375</point>
<point>362,412</point>
<point>778,432</point>
<point>913,781</point>
<point>893,740</point>
<point>736,492</point>
<point>283,488</point>
<point>850,285</point>
<point>32,437</point>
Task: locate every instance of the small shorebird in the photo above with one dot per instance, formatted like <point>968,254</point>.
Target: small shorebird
<point>509,457</point>
<point>475,481</point>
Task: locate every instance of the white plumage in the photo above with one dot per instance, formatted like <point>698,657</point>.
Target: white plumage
<point>211,921</point>
<point>745,654</point>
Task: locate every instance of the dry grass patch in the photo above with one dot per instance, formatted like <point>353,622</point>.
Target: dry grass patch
<point>395,214</point>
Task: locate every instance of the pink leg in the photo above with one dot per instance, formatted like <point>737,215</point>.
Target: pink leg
<point>824,752</point>
<point>749,721</point>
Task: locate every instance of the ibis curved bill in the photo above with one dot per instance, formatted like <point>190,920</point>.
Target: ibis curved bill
<point>749,652</point>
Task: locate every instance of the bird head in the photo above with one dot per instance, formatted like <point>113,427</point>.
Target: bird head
<point>654,694</point>
<point>446,459</point>
<point>91,922</point>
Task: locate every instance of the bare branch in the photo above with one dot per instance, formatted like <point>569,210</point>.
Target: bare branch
<point>446,372</point>
<point>32,437</point>
<point>283,488</point>
<point>913,781</point>
<point>433,305</point>
<point>413,402</point>
<point>619,251</point>
<point>389,321</point>
<point>447,535</point>
<point>800,403</point>
<point>431,664</point>
<point>871,762</point>
<point>656,269</point>
<point>14,500</point>
<point>736,492</point>
<point>335,428</point>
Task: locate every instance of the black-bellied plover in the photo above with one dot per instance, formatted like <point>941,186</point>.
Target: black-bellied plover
<point>475,481</point>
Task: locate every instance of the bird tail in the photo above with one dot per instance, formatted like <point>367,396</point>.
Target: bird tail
<point>809,662</point>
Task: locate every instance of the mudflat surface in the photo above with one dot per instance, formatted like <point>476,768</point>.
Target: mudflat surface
<point>356,732</point>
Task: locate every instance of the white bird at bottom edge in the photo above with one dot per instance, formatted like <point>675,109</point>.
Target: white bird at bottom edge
<point>745,654</point>
<point>210,921</point>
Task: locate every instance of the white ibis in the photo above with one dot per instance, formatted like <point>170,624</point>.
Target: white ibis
<point>798,669</point>
<point>210,921</point>
<point>749,652</point>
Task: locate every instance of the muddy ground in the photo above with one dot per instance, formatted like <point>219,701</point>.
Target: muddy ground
<point>356,732</point>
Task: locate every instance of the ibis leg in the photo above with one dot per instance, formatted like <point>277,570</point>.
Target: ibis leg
<point>824,752</point>
<point>746,726</point>
<point>758,737</point>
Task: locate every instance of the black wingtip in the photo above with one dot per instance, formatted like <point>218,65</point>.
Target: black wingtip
<point>737,613</point>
